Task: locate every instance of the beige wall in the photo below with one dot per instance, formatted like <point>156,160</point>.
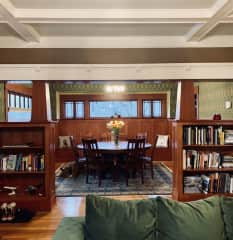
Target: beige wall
<point>212,97</point>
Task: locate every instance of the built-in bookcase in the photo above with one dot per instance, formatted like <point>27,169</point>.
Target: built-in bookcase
<point>203,159</point>
<point>27,164</point>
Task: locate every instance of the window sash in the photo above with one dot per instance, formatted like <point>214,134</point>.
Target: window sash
<point>73,109</point>
<point>106,109</point>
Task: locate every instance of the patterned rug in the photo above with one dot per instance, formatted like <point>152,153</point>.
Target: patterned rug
<point>160,185</point>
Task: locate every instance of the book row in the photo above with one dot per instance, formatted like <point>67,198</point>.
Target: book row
<point>22,162</point>
<point>193,159</point>
<point>207,135</point>
<point>211,183</point>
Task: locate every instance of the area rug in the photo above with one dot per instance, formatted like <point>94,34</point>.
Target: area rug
<point>160,185</point>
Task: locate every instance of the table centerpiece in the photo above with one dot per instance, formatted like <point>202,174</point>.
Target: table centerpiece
<point>115,126</point>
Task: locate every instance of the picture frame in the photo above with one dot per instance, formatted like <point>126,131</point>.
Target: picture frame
<point>162,141</point>
<point>64,141</point>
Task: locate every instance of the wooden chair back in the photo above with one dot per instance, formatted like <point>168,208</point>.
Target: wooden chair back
<point>91,151</point>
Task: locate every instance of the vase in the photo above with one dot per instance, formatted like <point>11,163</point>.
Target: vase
<point>115,133</point>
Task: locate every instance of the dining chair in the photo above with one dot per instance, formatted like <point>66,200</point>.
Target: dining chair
<point>141,135</point>
<point>148,160</point>
<point>133,161</point>
<point>80,159</point>
<point>94,159</point>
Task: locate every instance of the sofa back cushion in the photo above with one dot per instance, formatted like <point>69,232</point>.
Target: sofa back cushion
<point>190,221</point>
<point>227,209</point>
<point>125,220</point>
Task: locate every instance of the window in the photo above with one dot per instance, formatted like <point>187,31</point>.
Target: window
<point>152,108</point>
<point>19,109</point>
<point>96,106</point>
<point>74,109</point>
<point>106,109</point>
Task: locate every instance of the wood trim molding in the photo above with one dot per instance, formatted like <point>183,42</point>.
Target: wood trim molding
<point>19,89</point>
<point>93,97</point>
<point>162,71</point>
<point>114,55</point>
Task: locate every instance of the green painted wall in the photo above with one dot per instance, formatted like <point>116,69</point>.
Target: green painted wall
<point>212,97</point>
<point>2,102</point>
<point>99,89</point>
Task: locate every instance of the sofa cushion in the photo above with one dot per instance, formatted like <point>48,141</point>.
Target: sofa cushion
<point>70,228</point>
<point>190,221</point>
<point>227,208</point>
<point>125,220</point>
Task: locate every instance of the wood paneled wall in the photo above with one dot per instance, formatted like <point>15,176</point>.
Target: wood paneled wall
<point>97,128</point>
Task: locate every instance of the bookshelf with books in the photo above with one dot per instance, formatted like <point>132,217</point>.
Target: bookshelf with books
<point>27,165</point>
<point>203,159</point>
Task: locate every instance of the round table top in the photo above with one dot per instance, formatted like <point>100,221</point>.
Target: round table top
<point>111,146</point>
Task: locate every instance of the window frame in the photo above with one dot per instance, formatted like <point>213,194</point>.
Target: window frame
<point>20,90</point>
<point>151,101</point>
<point>87,98</point>
<point>73,101</point>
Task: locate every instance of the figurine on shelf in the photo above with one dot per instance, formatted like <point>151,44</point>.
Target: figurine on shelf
<point>4,212</point>
<point>217,116</point>
<point>34,189</point>
<point>12,189</point>
<point>11,211</point>
<point>8,211</point>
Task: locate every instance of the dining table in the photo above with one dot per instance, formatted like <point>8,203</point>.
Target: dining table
<point>114,152</point>
<point>109,147</point>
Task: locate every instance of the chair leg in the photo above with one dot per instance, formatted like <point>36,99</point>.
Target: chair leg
<point>152,170</point>
<point>99,178</point>
<point>142,175</point>
<point>87,172</point>
<point>127,178</point>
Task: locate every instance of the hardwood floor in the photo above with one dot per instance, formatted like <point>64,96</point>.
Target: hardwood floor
<point>43,225</point>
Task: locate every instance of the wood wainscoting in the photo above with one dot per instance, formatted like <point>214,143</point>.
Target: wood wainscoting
<point>97,128</point>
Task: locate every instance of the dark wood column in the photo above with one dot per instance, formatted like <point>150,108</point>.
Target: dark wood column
<point>185,109</point>
<point>41,108</point>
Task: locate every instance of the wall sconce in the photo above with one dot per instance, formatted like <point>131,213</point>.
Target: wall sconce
<point>115,88</point>
<point>228,104</point>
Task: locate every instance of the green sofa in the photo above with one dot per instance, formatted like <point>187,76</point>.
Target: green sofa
<point>150,219</point>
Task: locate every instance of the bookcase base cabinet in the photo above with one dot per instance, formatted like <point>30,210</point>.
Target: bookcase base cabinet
<point>203,159</point>
<point>27,169</point>
<point>35,204</point>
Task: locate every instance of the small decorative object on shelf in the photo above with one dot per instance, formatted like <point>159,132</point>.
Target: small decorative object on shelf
<point>8,211</point>
<point>115,126</point>
<point>217,116</point>
<point>11,189</point>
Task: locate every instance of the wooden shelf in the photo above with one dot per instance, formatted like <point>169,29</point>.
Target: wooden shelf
<point>196,170</point>
<point>21,172</point>
<point>196,196</point>
<point>208,145</point>
<point>30,148</point>
<point>19,197</point>
<point>13,141</point>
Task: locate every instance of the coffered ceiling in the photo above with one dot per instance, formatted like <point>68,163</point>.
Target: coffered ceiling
<point>116,23</point>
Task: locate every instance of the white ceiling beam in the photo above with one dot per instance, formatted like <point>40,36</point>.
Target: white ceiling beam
<point>112,15</point>
<point>7,12</point>
<point>162,71</point>
<point>222,9</point>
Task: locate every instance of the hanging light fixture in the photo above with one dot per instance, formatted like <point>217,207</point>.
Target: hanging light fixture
<point>114,88</point>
